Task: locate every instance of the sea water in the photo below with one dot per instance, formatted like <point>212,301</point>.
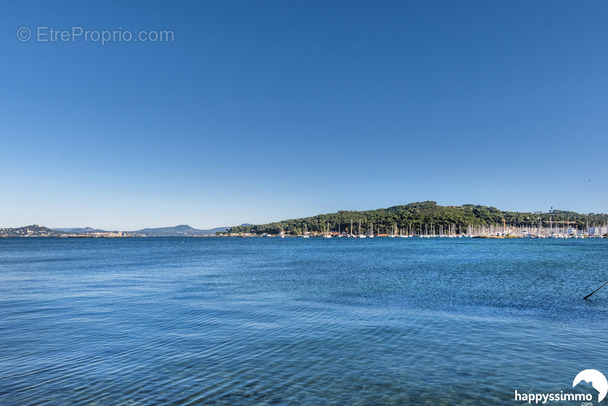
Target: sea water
<point>183,321</point>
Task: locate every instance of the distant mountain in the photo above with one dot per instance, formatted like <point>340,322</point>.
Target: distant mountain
<point>80,230</point>
<point>40,231</point>
<point>177,231</point>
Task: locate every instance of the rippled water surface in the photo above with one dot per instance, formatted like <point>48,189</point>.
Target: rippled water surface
<point>298,321</point>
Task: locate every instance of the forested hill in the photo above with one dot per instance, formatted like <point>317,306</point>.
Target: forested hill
<point>417,216</point>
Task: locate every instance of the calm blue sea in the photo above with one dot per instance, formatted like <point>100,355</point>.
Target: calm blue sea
<point>231,321</point>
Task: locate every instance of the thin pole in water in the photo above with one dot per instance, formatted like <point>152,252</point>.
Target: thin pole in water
<point>589,295</point>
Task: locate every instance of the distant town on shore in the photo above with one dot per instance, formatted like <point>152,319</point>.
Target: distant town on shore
<point>88,232</point>
<point>421,219</point>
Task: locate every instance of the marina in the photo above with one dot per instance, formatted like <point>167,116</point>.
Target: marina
<point>495,231</point>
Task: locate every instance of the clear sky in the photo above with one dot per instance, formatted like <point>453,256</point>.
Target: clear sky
<point>265,110</point>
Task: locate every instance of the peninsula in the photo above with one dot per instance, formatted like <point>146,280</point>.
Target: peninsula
<point>430,219</point>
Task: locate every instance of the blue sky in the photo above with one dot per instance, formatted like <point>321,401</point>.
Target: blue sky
<point>265,110</point>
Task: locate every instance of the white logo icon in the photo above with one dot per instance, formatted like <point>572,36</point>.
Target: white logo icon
<point>596,379</point>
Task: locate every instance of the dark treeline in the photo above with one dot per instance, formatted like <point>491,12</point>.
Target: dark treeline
<point>416,217</point>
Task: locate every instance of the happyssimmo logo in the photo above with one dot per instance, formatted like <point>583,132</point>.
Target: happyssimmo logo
<point>592,376</point>
<point>596,379</point>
